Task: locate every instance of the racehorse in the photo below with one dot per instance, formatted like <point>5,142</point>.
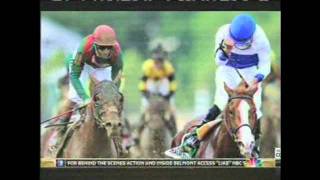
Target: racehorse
<point>156,137</point>
<point>97,133</point>
<point>231,135</point>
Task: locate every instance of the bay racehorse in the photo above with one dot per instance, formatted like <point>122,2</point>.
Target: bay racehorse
<point>98,132</point>
<point>156,137</point>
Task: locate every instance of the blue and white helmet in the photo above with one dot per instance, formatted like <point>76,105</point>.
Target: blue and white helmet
<point>242,29</point>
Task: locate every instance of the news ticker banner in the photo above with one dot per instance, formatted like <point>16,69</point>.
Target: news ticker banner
<point>160,5</point>
<point>160,163</point>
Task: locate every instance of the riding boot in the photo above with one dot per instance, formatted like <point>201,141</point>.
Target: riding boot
<point>188,149</point>
<point>212,115</point>
<point>191,141</point>
<point>257,137</point>
<point>191,144</point>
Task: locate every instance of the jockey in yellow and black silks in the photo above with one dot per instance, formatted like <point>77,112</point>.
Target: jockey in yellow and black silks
<point>158,78</point>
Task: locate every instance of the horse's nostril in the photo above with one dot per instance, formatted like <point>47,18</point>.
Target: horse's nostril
<point>119,124</point>
<point>108,124</point>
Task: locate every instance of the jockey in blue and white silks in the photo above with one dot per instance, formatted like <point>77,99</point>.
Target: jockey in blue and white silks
<point>240,46</point>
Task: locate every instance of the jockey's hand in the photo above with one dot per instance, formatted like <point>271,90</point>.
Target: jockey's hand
<point>259,77</point>
<point>228,45</point>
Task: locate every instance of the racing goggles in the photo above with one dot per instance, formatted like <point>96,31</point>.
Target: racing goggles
<point>102,48</point>
<point>243,45</point>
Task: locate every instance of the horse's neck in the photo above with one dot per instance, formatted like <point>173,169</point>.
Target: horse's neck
<point>223,143</point>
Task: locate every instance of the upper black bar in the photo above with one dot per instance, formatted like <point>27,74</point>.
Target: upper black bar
<point>160,5</point>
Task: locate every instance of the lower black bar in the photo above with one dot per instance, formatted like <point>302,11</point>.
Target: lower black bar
<point>165,173</point>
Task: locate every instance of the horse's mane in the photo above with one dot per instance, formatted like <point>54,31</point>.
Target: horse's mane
<point>109,91</point>
<point>102,85</point>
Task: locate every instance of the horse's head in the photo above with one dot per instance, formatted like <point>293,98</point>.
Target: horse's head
<point>157,112</point>
<point>240,116</point>
<point>108,104</point>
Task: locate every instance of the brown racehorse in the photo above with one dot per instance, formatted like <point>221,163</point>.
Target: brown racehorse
<point>231,134</point>
<point>97,134</point>
<point>156,137</point>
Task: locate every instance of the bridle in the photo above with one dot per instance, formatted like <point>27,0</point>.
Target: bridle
<point>97,106</point>
<point>97,115</point>
<point>233,132</point>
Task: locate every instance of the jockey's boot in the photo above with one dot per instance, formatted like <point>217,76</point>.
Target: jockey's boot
<point>188,148</point>
<point>257,137</point>
<point>191,141</point>
<point>214,112</point>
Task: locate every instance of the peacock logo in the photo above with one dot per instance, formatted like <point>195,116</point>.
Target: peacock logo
<point>253,162</point>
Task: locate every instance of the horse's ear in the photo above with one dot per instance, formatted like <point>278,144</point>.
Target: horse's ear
<point>227,89</point>
<point>244,83</point>
<point>253,89</point>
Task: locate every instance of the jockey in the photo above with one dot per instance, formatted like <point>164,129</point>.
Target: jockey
<point>98,57</point>
<point>158,78</point>
<point>241,45</point>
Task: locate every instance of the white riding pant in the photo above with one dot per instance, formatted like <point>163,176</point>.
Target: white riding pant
<point>99,74</point>
<point>161,87</point>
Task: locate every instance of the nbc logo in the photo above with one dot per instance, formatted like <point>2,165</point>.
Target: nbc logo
<point>254,163</point>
